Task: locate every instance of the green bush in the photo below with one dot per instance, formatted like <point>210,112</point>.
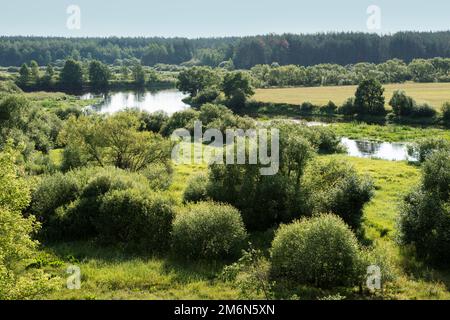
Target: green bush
<point>402,105</point>
<point>424,111</point>
<point>321,251</point>
<point>139,220</point>
<point>181,119</point>
<point>196,189</point>
<point>208,230</point>
<point>423,148</point>
<point>348,107</point>
<point>159,175</point>
<point>153,121</point>
<point>335,187</point>
<point>446,113</point>
<point>425,212</point>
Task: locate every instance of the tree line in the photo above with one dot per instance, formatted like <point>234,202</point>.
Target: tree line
<point>243,53</point>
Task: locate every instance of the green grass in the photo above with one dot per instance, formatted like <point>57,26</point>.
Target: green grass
<point>108,273</point>
<point>433,93</point>
<point>389,133</point>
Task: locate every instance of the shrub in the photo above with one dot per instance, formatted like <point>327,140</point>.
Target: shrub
<point>446,113</point>
<point>159,175</point>
<point>329,108</point>
<point>196,189</point>
<point>307,107</point>
<point>425,213</point>
<point>51,193</point>
<point>153,121</point>
<point>402,105</point>
<point>336,187</point>
<point>424,111</point>
<point>423,148</point>
<point>139,220</point>
<point>208,230</point>
<point>348,107</point>
<point>206,96</point>
<point>181,119</point>
<point>321,251</point>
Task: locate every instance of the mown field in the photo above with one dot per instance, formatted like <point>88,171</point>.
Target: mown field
<point>107,273</point>
<point>434,94</point>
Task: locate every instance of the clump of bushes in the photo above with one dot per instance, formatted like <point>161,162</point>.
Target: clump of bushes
<point>107,204</point>
<point>403,106</point>
<point>135,218</point>
<point>196,189</point>
<point>423,148</point>
<point>208,230</point>
<point>425,214</point>
<point>335,186</point>
<point>321,251</point>
<point>446,113</point>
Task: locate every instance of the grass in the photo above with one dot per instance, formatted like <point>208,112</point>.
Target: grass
<point>109,273</point>
<point>434,94</point>
<point>388,133</point>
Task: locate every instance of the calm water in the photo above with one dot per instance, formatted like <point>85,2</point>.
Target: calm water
<point>393,151</point>
<point>169,101</point>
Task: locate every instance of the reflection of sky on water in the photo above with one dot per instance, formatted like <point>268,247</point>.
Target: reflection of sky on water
<point>169,101</point>
<point>381,150</point>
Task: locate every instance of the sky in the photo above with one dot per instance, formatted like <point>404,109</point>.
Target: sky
<point>207,18</point>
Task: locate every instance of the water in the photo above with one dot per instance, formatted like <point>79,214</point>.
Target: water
<point>169,101</point>
<point>394,151</point>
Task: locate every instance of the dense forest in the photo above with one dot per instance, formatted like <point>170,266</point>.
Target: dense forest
<point>338,48</point>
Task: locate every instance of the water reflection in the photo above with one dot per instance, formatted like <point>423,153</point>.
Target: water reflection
<point>169,101</point>
<point>394,151</point>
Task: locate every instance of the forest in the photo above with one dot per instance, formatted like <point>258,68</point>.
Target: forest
<point>243,52</point>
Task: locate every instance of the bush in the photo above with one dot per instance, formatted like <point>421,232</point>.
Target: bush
<point>329,108</point>
<point>321,251</point>
<point>402,105</point>
<point>196,189</point>
<point>206,96</point>
<point>423,148</point>
<point>181,119</point>
<point>307,107</point>
<point>424,111</point>
<point>348,107</point>
<point>159,175</point>
<point>336,187</point>
<point>446,113</point>
<point>153,121</point>
<point>208,230</point>
<point>425,213</point>
<point>139,220</point>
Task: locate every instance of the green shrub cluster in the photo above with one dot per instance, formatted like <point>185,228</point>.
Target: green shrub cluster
<point>208,230</point>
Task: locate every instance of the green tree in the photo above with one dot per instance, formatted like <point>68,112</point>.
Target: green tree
<point>71,76</point>
<point>16,245</point>
<point>24,76</point>
<point>138,74</point>
<point>401,104</point>
<point>99,75</point>
<point>237,87</point>
<point>34,71</point>
<point>47,79</point>
<point>196,79</point>
<point>369,98</point>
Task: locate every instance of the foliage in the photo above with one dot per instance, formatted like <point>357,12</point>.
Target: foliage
<point>99,75</point>
<point>71,76</point>
<point>423,148</point>
<point>237,87</point>
<point>197,79</point>
<point>401,104</point>
<point>196,189</point>
<point>321,251</point>
<point>17,248</point>
<point>335,187</point>
<point>369,98</point>
<point>208,230</point>
<point>135,218</point>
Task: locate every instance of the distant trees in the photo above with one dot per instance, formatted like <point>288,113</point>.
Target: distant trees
<point>402,105</point>
<point>71,76</point>
<point>369,98</point>
<point>24,76</point>
<point>99,75</point>
<point>138,74</point>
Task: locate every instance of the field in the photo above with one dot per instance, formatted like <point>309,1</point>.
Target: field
<point>434,94</point>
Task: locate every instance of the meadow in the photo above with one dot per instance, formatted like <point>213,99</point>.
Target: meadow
<point>109,273</point>
<point>434,94</point>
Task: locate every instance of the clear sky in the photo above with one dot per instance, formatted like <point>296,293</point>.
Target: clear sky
<point>204,18</point>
